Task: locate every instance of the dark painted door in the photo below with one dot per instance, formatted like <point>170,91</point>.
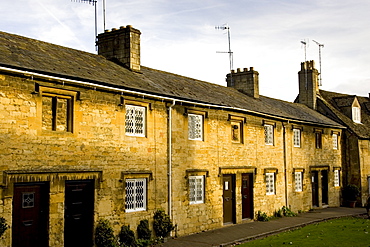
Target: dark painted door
<point>324,187</point>
<point>229,198</point>
<point>247,195</point>
<point>315,188</point>
<point>30,215</point>
<point>79,213</point>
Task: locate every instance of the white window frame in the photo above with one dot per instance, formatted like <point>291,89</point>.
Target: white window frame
<point>136,191</point>
<point>298,181</point>
<point>336,178</point>
<point>356,114</point>
<point>195,127</point>
<point>270,183</point>
<point>269,134</point>
<point>196,189</point>
<point>135,115</point>
<point>335,141</point>
<point>297,138</point>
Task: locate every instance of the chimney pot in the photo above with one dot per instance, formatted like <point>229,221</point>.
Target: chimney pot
<point>245,69</point>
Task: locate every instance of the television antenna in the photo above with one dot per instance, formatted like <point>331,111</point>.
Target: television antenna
<point>226,27</point>
<point>94,3</point>
<point>304,43</point>
<point>320,45</point>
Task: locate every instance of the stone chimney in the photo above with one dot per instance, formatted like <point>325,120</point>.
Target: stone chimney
<point>308,84</point>
<point>121,46</point>
<point>245,81</point>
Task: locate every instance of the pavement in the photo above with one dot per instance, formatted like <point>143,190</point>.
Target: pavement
<point>231,235</point>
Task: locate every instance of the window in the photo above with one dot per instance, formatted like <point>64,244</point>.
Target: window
<point>135,120</point>
<point>298,181</point>
<point>336,178</point>
<point>236,131</point>
<point>297,137</point>
<point>195,127</point>
<point>270,183</point>
<point>335,141</point>
<point>269,134</point>
<point>318,139</point>
<point>135,195</point>
<point>57,112</point>
<point>356,114</point>
<point>196,189</point>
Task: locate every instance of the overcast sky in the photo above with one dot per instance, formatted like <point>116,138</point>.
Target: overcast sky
<point>179,36</point>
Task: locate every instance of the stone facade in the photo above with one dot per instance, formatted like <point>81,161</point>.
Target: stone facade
<point>65,134</point>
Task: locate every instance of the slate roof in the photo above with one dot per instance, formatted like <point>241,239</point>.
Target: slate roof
<point>36,56</point>
<point>336,101</point>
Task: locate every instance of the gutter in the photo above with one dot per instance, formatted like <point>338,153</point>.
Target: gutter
<point>143,94</point>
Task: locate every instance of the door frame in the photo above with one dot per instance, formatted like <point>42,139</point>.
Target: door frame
<point>227,187</point>
<point>42,216</point>
<point>247,205</point>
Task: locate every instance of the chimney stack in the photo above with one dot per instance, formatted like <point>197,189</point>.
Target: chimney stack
<point>308,84</point>
<point>121,46</point>
<point>245,81</point>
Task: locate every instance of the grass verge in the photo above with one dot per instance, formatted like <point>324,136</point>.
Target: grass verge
<point>348,231</point>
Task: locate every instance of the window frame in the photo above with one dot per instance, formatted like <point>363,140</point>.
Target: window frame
<point>269,134</point>
<point>198,133</point>
<point>336,178</point>
<point>55,94</point>
<point>136,108</point>
<point>318,139</point>
<point>135,201</point>
<point>298,181</point>
<point>356,114</point>
<point>270,178</point>
<point>197,192</point>
<point>296,137</point>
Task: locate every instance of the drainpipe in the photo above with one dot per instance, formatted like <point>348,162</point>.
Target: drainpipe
<point>285,164</point>
<point>170,158</point>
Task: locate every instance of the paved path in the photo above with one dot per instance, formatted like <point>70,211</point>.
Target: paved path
<point>228,235</point>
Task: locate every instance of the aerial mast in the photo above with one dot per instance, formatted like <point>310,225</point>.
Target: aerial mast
<point>226,27</point>
<point>320,45</point>
<point>304,43</point>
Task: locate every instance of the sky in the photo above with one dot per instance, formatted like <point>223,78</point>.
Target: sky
<point>179,36</point>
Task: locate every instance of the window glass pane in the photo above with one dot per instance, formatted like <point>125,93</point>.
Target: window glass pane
<point>195,127</point>
<point>269,134</point>
<point>297,137</point>
<point>236,131</point>
<point>336,178</point>
<point>47,113</point>
<point>318,139</point>
<point>270,183</point>
<point>135,195</point>
<point>196,189</point>
<point>298,181</point>
<point>135,120</point>
<point>356,114</point>
<point>61,114</point>
<point>56,113</point>
<point>335,141</point>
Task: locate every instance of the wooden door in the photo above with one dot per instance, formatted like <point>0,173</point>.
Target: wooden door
<point>30,215</point>
<point>79,213</point>
<point>315,188</point>
<point>247,195</point>
<point>324,187</point>
<point>229,198</point>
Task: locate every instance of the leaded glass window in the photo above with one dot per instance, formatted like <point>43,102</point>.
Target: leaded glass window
<point>269,134</point>
<point>297,137</point>
<point>298,181</point>
<point>335,141</point>
<point>195,127</point>
<point>196,189</point>
<point>270,183</point>
<point>135,195</point>
<point>336,178</point>
<point>135,120</point>
<point>356,114</point>
<point>28,199</point>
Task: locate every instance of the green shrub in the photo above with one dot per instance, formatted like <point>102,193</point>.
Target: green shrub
<point>127,236</point>
<point>3,226</point>
<point>162,224</point>
<point>279,213</point>
<point>287,212</point>
<point>143,231</point>
<point>262,216</point>
<point>104,235</point>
